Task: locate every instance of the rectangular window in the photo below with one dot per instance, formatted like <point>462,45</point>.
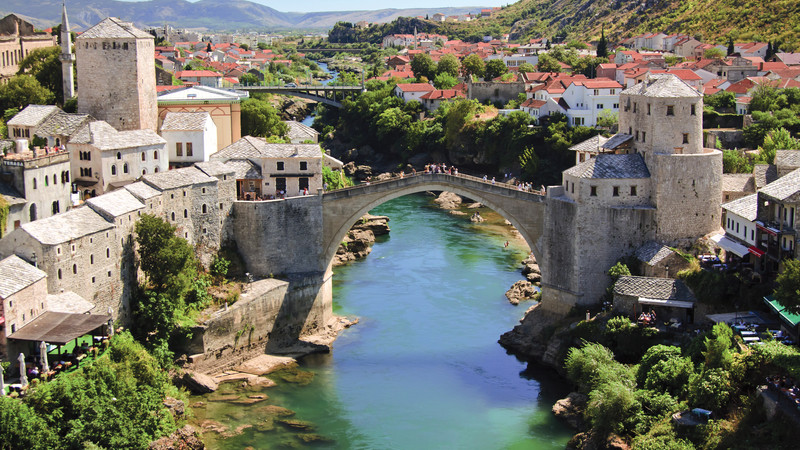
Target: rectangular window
<point>637,135</point>
<point>670,110</point>
<point>593,191</point>
<point>634,106</point>
<point>685,138</point>
<point>189,149</point>
<point>633,191</point>
<point>280,165</point>
<point>597,92</point>
<point>616,106</point>
<point>752,235</point>
<point>615,192</point>
<point>599,106</point>
<point>179,148</point>
<point>648,109</point>
<point>303,165</point>
<point>693,111</point>
<point>613,91</point>
<point>644,136</point>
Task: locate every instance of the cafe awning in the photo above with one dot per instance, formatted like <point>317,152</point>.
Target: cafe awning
<point>730,245</point>
<point>665,303</point>
<point>59,328</point>
<point>756,251</point>
<point>788,317</point>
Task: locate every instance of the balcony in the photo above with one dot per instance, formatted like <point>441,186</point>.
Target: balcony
<point>774,227</point>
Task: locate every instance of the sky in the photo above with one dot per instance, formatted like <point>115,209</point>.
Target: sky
<point>351,5</point>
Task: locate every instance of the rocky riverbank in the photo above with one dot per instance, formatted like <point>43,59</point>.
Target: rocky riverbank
<point>358,242</point>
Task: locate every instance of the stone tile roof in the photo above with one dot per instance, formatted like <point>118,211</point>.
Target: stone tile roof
<point>655,288</point>
<point>12,196</point>
<point>789,159</point>
<point>62,124</point>
<point>115,203</point>
<point>652,253</point>
<point>142,190</point>
<point>784,187</point>
<point>300,131</point>
<point>593,144</point>
<point>103,136</point>
<point>617,140</point>
<point>32,115</point>
<point>214,168</point>
<point>65,227</point>
<point>114,28</point>
<point>764,174</point>
<point>178,178</point>
<point>16,275</point>
<point>663,85</point>
<point>738,182</point>
<point>745,207</point>
<point>185,121</point>
<point>611,166</point>
<point>253,147</point>
<point>245,169</point>
<point>68,302</point>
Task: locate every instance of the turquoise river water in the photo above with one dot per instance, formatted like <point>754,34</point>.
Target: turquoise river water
<point>422,369</point>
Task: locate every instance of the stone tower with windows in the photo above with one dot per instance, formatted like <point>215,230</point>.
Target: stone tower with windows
<point>117,76</point>
<point>664,115</point>
<point>67,57</point>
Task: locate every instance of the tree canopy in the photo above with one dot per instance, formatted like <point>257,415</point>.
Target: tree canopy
<point>473,65</point>
<point>787,293</point>
<point>23,90</point>
<point>495,68</point>
<point>448,64</point>
<point>259,118</point>
<point>423,66</point>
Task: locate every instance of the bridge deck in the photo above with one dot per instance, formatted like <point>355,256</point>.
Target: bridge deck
<point>437,178</point>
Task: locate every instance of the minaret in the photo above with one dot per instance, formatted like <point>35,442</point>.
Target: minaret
<point>67,57</point>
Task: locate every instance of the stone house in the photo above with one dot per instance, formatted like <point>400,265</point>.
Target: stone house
<point>224,106</point>
<point>737,185</point>
<point>412,91</point>
<point>117,75</point>
<point>300,133</point>
<point>36,185</point>
<point>191,137</point>
<point>104,159</point>
<point>609,179</point>
<point>659,261</point>
<point>288,168</point>
<point>668,298</point>
<point>433,99</point>
<point>23,125</point>
<point>17,39</point>
<point>739,223</point>
<point>23,297</point>
<point>778,206</point>
<point>787,161</point>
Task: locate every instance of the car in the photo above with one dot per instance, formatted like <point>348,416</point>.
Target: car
<point>290,85</point>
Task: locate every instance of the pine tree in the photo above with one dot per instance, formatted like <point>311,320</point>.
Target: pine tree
<point>770,51</point>
<point>730,46</point>
<point>602,46</point>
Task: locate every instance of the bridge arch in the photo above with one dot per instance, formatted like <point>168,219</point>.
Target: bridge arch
<point>342,208</point>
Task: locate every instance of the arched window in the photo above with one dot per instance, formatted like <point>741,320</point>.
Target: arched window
<point>125,168</point>
<point>144,156</point>
<point>155,154</point>
<point>33,212</point>
<point>119,155</point>
<point>34,183</point>
<point>113,169</point>
<point>75,269</point>
<point>155,170</point>
<point>46,181</point>
<point>144,171</point>
<point>173,217</point>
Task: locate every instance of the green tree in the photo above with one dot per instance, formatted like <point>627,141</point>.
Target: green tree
<point>259,118</point>
<point>473,65</point>
<point>718,352</point>
<point>670,376</point>
<point>244,47</point>
<point>44,65</point>
<point>652,356</point>
<point>495,68</point>
<point>444,81</point>
<point>391,123</point>
<point>710,389</point>
<point>448,64</point>
<point>21,427</point>
<point>548,64</point>
<point>423,66</point>
<point>248,79</point>
<point>721,100</point>
<point>163,257</point>
<point>526,67</point>
<point>602,45</point>
<point>714,53</point>
<point>592,365</point>
<point>23,90</point>
<point>730,46</point>
<point>735,161</point>
<point>775,140</point>
<point>529,162</point>
<point>611,407</point>
<point>787,292</point>
<point>608,119</point>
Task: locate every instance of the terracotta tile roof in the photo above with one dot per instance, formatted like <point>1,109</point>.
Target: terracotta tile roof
<point>197,73</point>
<point>415,87</point>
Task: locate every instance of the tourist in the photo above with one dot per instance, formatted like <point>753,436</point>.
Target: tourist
<point>493,180</point>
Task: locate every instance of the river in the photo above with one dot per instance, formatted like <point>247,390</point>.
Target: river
<point>422,368</point>
<point>309,119</point>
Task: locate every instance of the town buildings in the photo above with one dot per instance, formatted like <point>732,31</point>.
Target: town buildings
<point>17,39</point>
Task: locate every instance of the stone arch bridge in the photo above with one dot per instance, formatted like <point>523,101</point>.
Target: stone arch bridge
<point>342,208</point>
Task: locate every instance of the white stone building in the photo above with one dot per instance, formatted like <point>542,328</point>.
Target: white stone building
<point>104,159</point>
<point>191,137</point>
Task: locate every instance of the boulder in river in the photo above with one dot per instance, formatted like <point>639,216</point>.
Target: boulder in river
<point>358,241</point>
<point>448,200</point>
<point>521,290</point>
<point>570,409</point>
<point>199,383</point>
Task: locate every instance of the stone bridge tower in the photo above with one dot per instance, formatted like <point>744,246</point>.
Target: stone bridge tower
<point>117,75</point>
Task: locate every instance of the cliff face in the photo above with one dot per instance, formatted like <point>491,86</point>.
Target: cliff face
<point>358,242</point>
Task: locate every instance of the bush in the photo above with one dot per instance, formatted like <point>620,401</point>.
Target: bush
<point>20,427</point>
<point>612,407</point>
<point>652,356</point>
<point>592,365</point>
<point>219,266</point>
<point>710,389</point>
<point>670,376</point>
